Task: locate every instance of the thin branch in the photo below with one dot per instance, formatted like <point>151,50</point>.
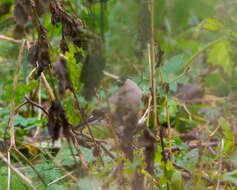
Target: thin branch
<point>36,105</point>
<point>37,132</point>
<point>84,118</point>
<point>168,123</point>
<point>28,181</point>
<point>12,132</point>
<point>150,84</point>
<point>6,128</point>
<point>111,75</point>
<point>48,88</point>
<point>153,66</point>
<point>220,164</point>
<point>60,178</point>
<point>182,168</point>
<point>58,164</point>
<point>9,171</point>
<point>192,146</point>
<point>31,165</point>
<point>2,37</point>
<point>100,142</point>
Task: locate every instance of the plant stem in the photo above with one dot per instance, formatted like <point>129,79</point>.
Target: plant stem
<point>12,115</point>
<point>153,66</point>
<point>192,58</point>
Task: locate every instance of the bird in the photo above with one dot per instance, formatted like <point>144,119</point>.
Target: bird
<point>122,112</point>
<point>123,104</point>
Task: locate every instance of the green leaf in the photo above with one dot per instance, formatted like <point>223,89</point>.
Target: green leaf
<point>172,109</point>
<point>74,67</point>
<point>221,55</point>
<point>174,65</point>
<point>234,34</point>
<point>212,24</point>
<point>7,1</point>
<point>191,158</point>
<point>172,69</point>
<point>19,120</point>
<point>231,177</point>
<point>225,125</point>
<point>21,91</point>
<point>176,180</point>
<point>229,139</point>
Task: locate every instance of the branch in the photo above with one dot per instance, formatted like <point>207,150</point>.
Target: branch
<point>28,181</point>
<point>2,37</point>
<point>36,105</point>
<point>12,115</point>
<point>192,146</point>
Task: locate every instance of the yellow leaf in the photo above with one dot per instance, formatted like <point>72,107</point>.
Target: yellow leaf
<point>32,150</point>
<point>212,24</point>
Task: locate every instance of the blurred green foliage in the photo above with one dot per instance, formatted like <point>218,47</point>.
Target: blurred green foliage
<point>198,34</point>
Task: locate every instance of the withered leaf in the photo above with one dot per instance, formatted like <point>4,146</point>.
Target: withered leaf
<point>60,71</point>
<point>38,54</point>
<point>57,120</point>
<point>21,11</point>
<point>92,71</point>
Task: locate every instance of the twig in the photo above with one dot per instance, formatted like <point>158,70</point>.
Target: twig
<point>169,128</point>
<point>31,165</point>
<point>36,105</point>
<point>107,151</point>
<point>192,146</point>
<point>9,171</point>
<point>6,128</point>
<point>182,168</point>
<point>84,118</point>
<point>48,89</point>
<point>143,118</point>
<point>101,144</point>
<point>220,164</point>
<point>28,181</point>
<point>212,151</point>
<point>201,155</point>
<point>60,178</point>
<point>58,164</point>
<point>111,75</point>
<point>12,132</point>
<point>2,37</point>
<point>74,140</point>
<point>154,89</point>
<point>150,84</point>
<point>153,67</point>
<point>89,137</point>
<point>37,132</point>
<point>188,112</point>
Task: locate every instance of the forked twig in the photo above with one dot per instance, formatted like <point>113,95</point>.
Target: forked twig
<point>12,115</point>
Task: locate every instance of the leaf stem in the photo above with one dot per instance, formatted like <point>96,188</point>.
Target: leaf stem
<point>193,57</point>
